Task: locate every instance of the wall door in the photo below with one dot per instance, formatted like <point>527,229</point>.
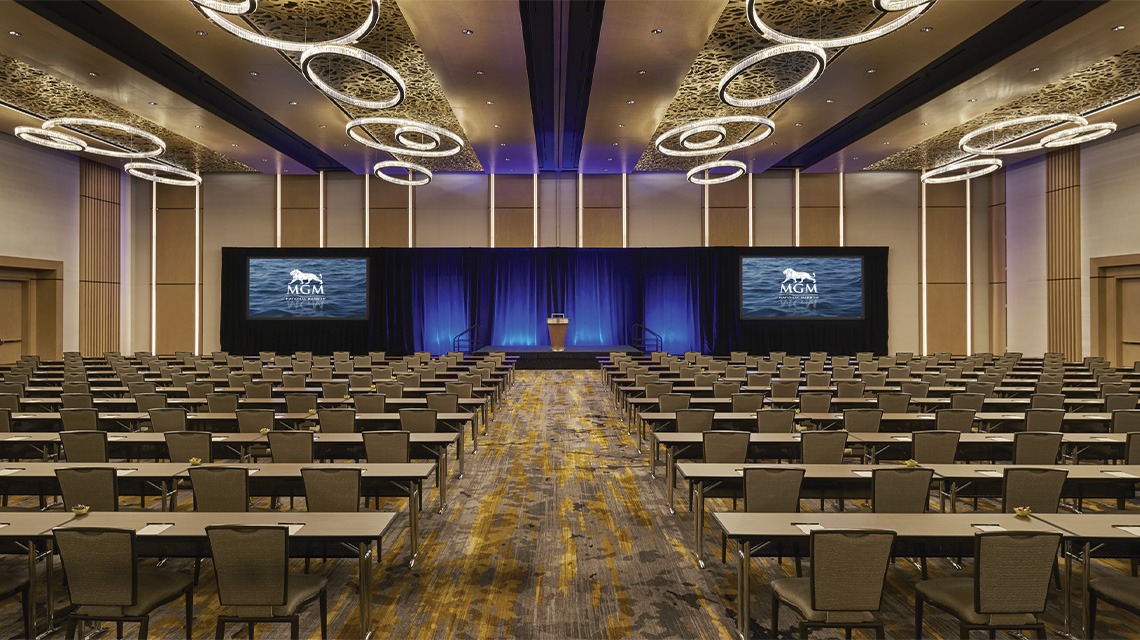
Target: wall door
<point>13,295</point>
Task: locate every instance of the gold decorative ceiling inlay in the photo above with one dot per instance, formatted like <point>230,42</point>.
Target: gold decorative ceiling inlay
<point>732,40</point>
<point>30,90</point>
<point>1102,84</point>
<point>393,42</point>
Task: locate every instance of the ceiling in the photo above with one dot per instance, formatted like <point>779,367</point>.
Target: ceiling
<point>566,85</point>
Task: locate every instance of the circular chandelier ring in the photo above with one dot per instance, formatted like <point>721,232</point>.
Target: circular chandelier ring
<point>974,169</point>
<point>290,45</point>
<point>686,138</point>
<point>768,128</point>
<point>154,171</point>
<point>820,63</point>
<point>230,7</point>
<point>897,5</point>
<point>410,181</point>
<point>834,43</point>
<point>52,139</point>
<point>351,130</point>
<point>403,132</point>
<point>738,169</point>
<point>356,54</point>
<point>1078,135</point>
<point>1051,118</point>
<point>72,123</point>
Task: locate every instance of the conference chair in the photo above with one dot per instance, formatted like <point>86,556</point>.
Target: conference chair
<point>1009,590</point>
<point>935,447</point>
<point>862,420</point>
<point>1122,592</point>
<point>391,389</point>
<point>360,380</point>
<point>199,389</point>
<point>84,445</point>
<point>334,390</point>
<point>790,373</point>
<point>694,420</point>
<point>915,389</point>
<point>775,421</point>
<point>387,447</point>
<point>10,401</point>
<point>251,566</point>
<point>96,487</point>
<point>901,490</point>
<point>759,379</point>
<point>705,378</point>
<point>1046,401</point>
<point>1120,401</point>
<point>76,387</point>
<point>293,380</point>
<point>1037,447</point>
<point>322,361</point>
<point>785,389</point>
<point>418,420</point>
<point>300,402</point>
<point>303,366</point>
<point>332,489</point>
<point>412,379</point>
<point>337,420</point>
<point>814,366</point>
<point>106,583</point>
<point>934,379</point>
<point>725,388</point>
<point>135,388</point>
<point>819,379</point>
<point>77,401</point>
<point>239,380</point>
<point>840,361</point>
<point>985,389</point>
<point>168,419</point>
<point>850,388</point>
<point>747,402</point>
<point>1115,387</point>
<point>220,489</point>
<point>15,582</point>
<point>1038,489</point>
<point>443,402</point>
<point>1044,419</point>
<point>274,374</point>
<point>897,372</point>
<point>673,402</point>
<point>259,390</point>
<point>822,447</point>
<point>222,402</point>
<point>342,366</point>
<point>843,372</point>
<point>815,402</point>
<point>767,366</point>
<point>181,446</point>
<point>146,401</point>
<point>972,401</point>
<point>875,379</point>
<point>291,446</point>
<point>655,389</point>
<point>894,402</point>
<point>1050,388</point>
<point>845,586</point>
<point>251,366</point>
<point>736,371</point>
<point>370,402</point>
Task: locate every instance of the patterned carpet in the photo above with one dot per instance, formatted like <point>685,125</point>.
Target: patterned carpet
<point>558,531</point>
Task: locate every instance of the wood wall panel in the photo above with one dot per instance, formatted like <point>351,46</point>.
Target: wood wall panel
<point>819,190</point>
<point>946,306</point>
<point>728,226</point>
<point>514,227</point>
<point>819,226</point>
<point>388,227</point>
<point>729,194</point>
<point>946,244</point>
<point>945,255</point>
<point>517,192</point>
<point>601,191</point>
<point>601,227</point>
<point>99,257</point>
<point>998,325</point>
<point>175,269</point>
<point>1063,250</point>
<point>174,318</point>
<point>300,227</point>
<point>385,195</point>
<point>174,246</point>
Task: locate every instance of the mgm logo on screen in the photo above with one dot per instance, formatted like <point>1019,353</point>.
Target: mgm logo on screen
<point>799,289</point>
<point>305,290</point>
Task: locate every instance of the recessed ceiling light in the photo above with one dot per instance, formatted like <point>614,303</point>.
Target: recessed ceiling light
<point>609,159</point>
<point>490,102</point>
<point>15,33</point>
<point>829,101</point>
<point>971,100</point>
<point>233,144</point>
<point>605,170</point>
<point>286,170</point>
<point>93,74</point>
<point>641,72</point>
<point>887,142</point>
<point>344,145</point>
<point>502,144</point>
<point>254,73</point>
<point>1118,27</point>
<point>926,29</point>
<point>468,32</point>
<point>799,124</point>
<point>621,126</point>
<point>629,101</point>
<point>265,159</point>
<point>870,71</point>
<point>479,72</point>
<point>1035,69</point>
<point>658,31</point>
<point>615,144</point>
<point>498,126</point>
<point>202,33</point>
<point>292,103</point>
<point>507,159</point>
<point>322,126</point>
<point>855,158</point>
<point>924,124</point>
<point>153,104</point>
<point>771,144</point>
<point>197,126</point>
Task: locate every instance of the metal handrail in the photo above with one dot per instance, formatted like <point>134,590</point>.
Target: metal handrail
<point>642,343</point>
<point>467,340</point>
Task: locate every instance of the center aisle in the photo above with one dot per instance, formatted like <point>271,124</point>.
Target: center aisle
<point>556,531</point>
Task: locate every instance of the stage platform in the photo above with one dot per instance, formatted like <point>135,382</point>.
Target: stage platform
<point>571,358</point>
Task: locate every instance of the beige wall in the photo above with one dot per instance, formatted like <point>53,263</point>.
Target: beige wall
<point>1025,256</point>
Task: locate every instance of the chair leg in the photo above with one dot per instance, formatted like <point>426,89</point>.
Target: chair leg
<point>220,631</point>
<point>294,628</point>
<point>804,630</point>
<point>799,567</point>
<point>1040,629</point>
<point>71,624</point>
<point>880,632</point>
<point>917,617</point>
<point>847,633</point>
<point>144,628</point>
<point>775,615</point>
<point>26,604</point>
<point>119,630</point>
<point>189,612</point>
<point>723,548</point>
<point>325,615</point>
<point>1092,614</point>
<point>251,631</point>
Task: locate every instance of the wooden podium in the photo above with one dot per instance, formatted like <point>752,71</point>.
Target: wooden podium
<point>557,326</point>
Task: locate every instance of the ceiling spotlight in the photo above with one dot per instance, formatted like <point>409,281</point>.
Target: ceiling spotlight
<point>629,101</point>
<point>621,126</point>
<point>615,144</point>
<point>153,104</point>
<point>93,74</point>
<point>490,102</point>
<point>479,72</point>
<point>265,159</point>
<point>926,29</point>
<point>254,73</point>
<point>507,159</point>
<point>498,126</point>
<point>502,144</point>
<point>922,124</point>
<point>829,101</point>
<point>609,159</point>
<point>870,71</point>
<point>292,103</point>
<point>641,72</point>
<point>971,100</point>
<point>799,124</point>
<point>201,33</point>
<point>15,33</point>
<point>197,126</point>
<point>322,126</point>
<point>855,158</point>
<point>658,31</point>
<point>233,144</point>
<point>468,32</point>
<point>887,142</point>
<point>1035,69</point>
<point>1118,27</point>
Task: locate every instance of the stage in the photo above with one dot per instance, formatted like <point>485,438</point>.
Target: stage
<point>571,358</point>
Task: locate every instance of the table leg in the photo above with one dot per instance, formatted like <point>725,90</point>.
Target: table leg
<point>32,586</point>
<point>474,437</point>
<point>653,456</point>
<point>365,577</point>
<point>1085,588</point>
<point>414,521</point>
<point>700,523</point>
<point>442,472</point>
<point>953,497</point>
<point>670,478</point>
<point>49,574</point>
<point>462,455</point>
<point>742,616</point>
<point>1068,632</point>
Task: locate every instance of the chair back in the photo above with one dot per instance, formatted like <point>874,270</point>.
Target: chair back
<point>986,389</point>
<point>736,371</point>
<point>300,402</point>
<point>332,489</point>
<point>443,402</point>
<point>1049,388</point>
<point>167,419</point>
<point>223,489</point>
<point>222,402</point>
<point>850,388</point>
<point>973,401</point>
<point>360,380</point>
<point>370,402</point>
<point>694,420</point>
<point>259,390</point>
<point>817,379</point>
<point>960,420</point>
<point>790,373</point>
<point>5,420</point>
<point>96,487</point>
<point>1125,420</point>
<point>293,380</point>
<point>199,389</point>
<point>239,379</point>
<point>747,402</point>
<point>894,402</point>
<point>1046,401</point>
<point>848,569</point>
<point>776,421</point>
<point>785,389</point>
<point>725,388</point>
<point>334,389</point>
<point>705,378</point>
<point>1132,448</point>
<point>461,389</point>
<point>1011,573</point>
<point>10,401</point>
<point>254,420</point>
<point>843,373</point>
<point>772,489</point>
<point>134,388</point>
<point>759,379</point>
<point>1117,401</point>
<point>144,402</point>
<point>321,372</point>
<point>815,366</point>
<point>419,419</point>
<point>1115,387</point>
<point>86,419</point>
<point>14,388</point>
<point>251,565</point>
<point>77,401</point>
<point>815,402</point>
<point>875,379</point>
<point>655,389</point>
<point>1037,447</point>
<point>390,389</point>
<point>901,490</point>
<point>291,446</point>
<point>915,389</point>
<point>936,379</point>
<point>84,445</point>
<point>387,447</point>
<point>822,447</point>
<point>729,447</point>
<point>862,420</point>
<point>1038,489</point>
<point>1044,419</point>
<point>183,445</point>
<point>935,447</point>
<point>101,566</point>
<point>410,379</point>
<point>337,420</point>
<point>671,402</point>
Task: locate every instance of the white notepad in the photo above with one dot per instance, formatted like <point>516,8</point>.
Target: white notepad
<point>1120,474</point>
<point>808,527</point>
<point>116,437</point>
<point>990,473</point>
<point>124,472</point>
<point>862,474</point>
<point>154,529</point>
<point>989,527</point>
<point>294,527</point>
<point>1133,530</point>
<point>9,471</point>
<point>217,438</point>
<point>1104,439</point>
<point>999,438</point>
<point>18,438</point>
<point>900,438</point>
<point>252,471</point>
<point>3,524</point>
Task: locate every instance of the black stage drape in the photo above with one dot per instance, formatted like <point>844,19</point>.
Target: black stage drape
<point>419,299</point>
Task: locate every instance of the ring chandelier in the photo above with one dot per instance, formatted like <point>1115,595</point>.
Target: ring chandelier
<point>163,173</point>
<point>215,16</point>
<point>913,10</point>
<point>47,136</point>
<point>702,125</point>
<point>1047,120</point>
<point>738,169</point>
<point>411,167</point>
<point>231,7</point>
<point>969,168</point>
<point>405,128</point>
<point>818,55</point>
<point>356,54</point>
<point>1077,135</point>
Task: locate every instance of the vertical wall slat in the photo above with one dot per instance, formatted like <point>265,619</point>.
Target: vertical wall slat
<point>1063,251</point>
<point>99,251</point>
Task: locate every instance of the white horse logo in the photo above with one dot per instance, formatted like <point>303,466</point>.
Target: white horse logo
<point>797,276</point>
